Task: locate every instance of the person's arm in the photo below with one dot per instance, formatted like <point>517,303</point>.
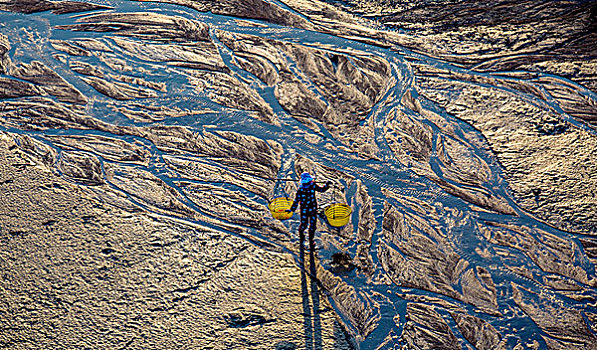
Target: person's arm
<point>296,201</point>
<point>324,187</point>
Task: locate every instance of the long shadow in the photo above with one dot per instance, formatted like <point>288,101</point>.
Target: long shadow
<point>311,312</point>
<point>315,298</point>
<point>307,325</point>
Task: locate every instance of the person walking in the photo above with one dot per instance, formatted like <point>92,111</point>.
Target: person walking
<point>306,197</point>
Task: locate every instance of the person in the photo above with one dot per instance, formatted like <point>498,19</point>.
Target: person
<point>306,197</point>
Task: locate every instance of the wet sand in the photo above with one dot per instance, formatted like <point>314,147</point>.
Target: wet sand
<point>137,140</point>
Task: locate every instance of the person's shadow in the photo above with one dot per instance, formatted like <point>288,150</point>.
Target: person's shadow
<point>311,315</point>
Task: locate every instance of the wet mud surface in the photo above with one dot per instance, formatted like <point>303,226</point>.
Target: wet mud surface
<point>138,140</point>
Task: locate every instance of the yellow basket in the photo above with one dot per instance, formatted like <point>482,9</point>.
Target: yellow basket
<point>338,214</point>
<point>278,207</point>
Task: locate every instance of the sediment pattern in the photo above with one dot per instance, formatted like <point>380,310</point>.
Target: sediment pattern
<point>140,142</point>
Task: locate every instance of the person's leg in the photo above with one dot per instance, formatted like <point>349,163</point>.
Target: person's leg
<point>312,227</point>
<point>302,227</point>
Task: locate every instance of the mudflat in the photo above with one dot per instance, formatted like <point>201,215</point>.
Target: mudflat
<point>140,143</point>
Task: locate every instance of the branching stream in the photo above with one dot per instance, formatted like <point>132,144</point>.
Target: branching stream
<point>183,113</point>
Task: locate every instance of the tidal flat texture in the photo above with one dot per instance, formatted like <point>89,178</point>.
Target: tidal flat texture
<point>140,142</point>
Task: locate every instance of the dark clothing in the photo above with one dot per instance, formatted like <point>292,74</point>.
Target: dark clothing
<point>306,197</point>
<point>306,220</point>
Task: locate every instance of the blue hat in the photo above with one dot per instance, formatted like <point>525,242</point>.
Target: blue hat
<point>306,178</point>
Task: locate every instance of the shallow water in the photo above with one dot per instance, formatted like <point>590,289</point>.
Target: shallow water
<point>454,218</point>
